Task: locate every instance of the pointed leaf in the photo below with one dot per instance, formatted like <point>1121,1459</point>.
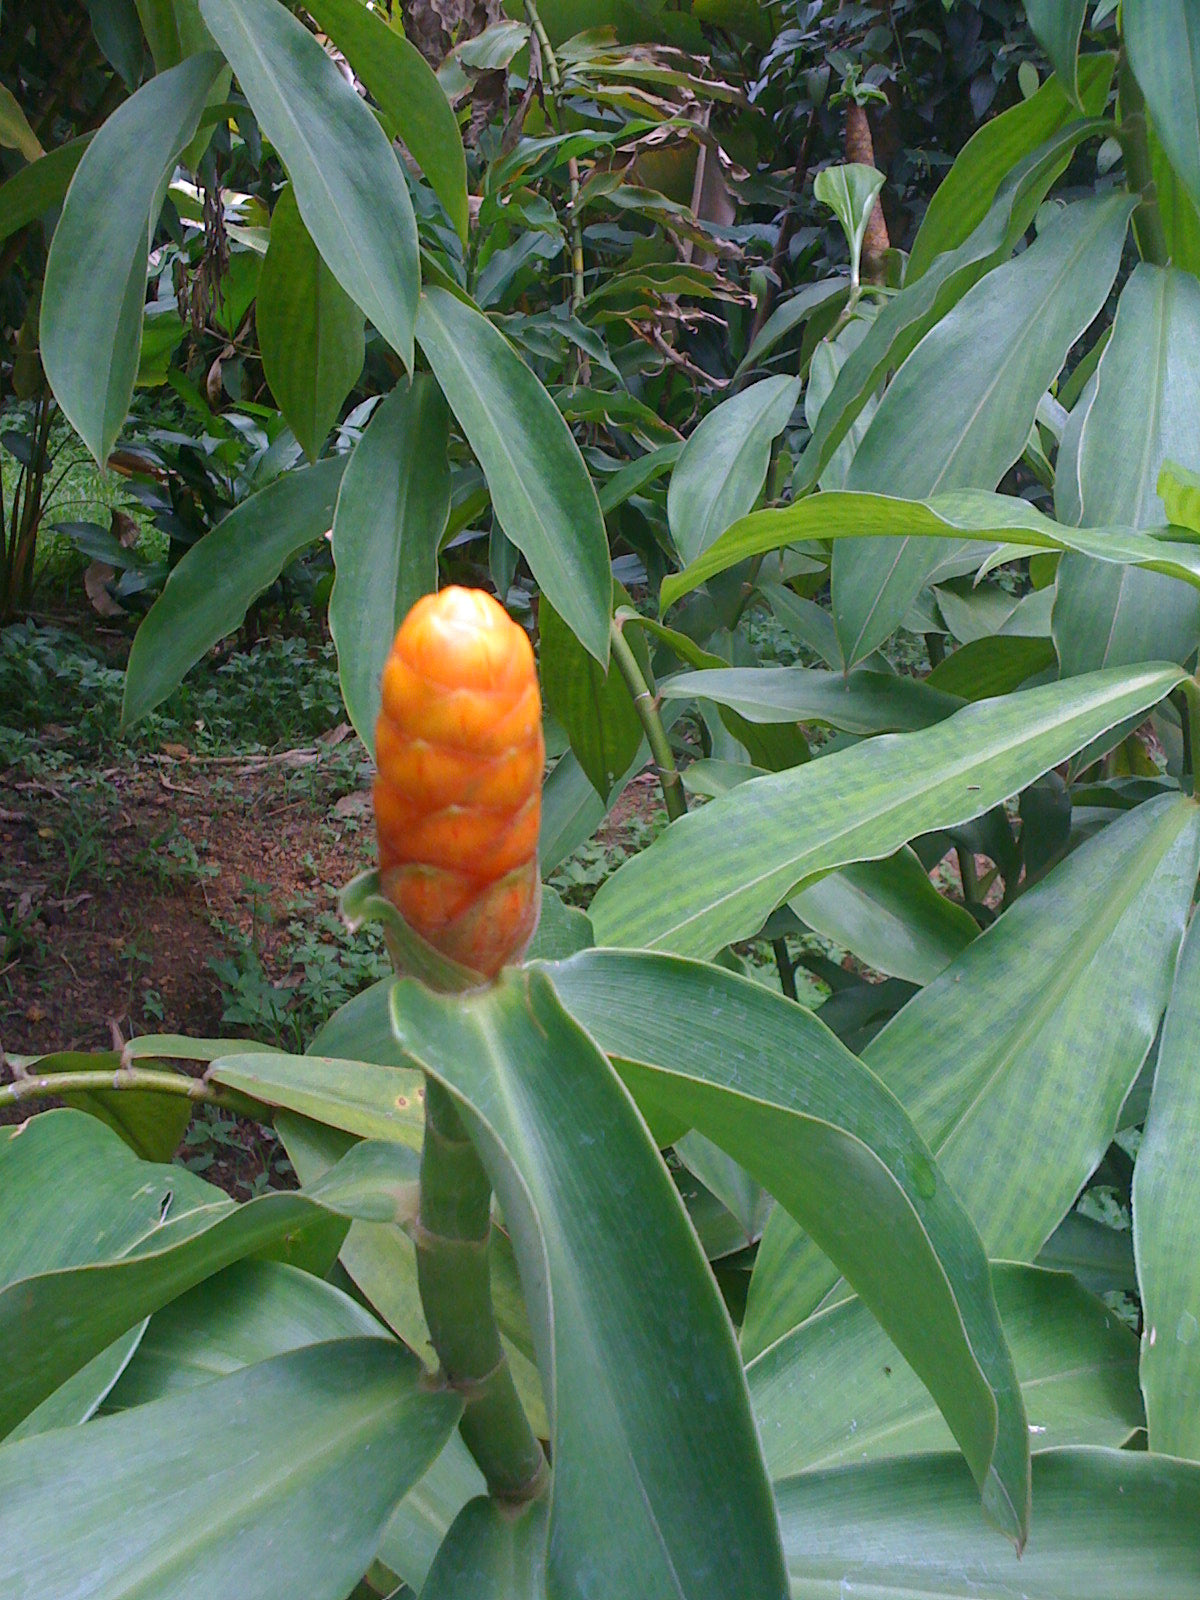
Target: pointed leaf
<point>770,1084</point>
<point>407,91</point>
<point>209,592</point>
<point>1110,1523</point>
<point>541,491</point>
<point>850,191</point>
<point>305,1456</point>
<point>593,706</point>
<point>862,702</point>
<point>729,865</point>
<point>310,332</point>
<point>1058,25</point>
<point>723,467</point>
<point>1147,392</point>
<point>392,510</point>
<point>1163,41</point>
<point>492,1554</point>
<point>36,188</point>
<point>1026,315</point>
<point>1166,1222</point>
<point>91,319</point>
<point>649,1477</point>
<point>836,1391</point>
<point>1016,1033</point>
<point>349,187</point>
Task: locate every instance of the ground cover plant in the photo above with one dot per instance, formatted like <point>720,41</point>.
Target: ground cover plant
<point>685,1257</point>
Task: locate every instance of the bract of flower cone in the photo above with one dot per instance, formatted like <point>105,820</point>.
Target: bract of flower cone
<point>458,795</point>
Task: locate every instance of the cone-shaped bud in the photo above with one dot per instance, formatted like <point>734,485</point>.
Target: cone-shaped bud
<point>458,795</point>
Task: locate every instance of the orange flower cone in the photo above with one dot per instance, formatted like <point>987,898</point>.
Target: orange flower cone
<point>458,796</point>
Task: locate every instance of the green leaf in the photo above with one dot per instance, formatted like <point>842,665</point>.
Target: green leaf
<point>861,702</point>
<point>593,706</point>
<point>406,90</point>
<point>1166,1222</point>
<point>310,332</point>
<point>890,915</point>
<point>729,865</point>
<point>1179,213</point>
<point>835,1391</point>
<point>789,315</point>
<point>637,475</point>
<point>964,195</point>
<point>349,187</point>
<point>1026,315</point>
<point>15,132</point>
<point>91,317</point>
<point>80,1397</point>
<point>1179,491</point>
<point>492,1553</point>
<point>361,1097</point>
<point>209,592</point>
<point>724,463</point>
<point>962,514</point>
<point>541,491</point>
<point>1163,41</point>
<point>770,1084</point>
<point>305,1456</point>
<point>1109,1523</point>
<point>997,664</point>
<point>641,1464</point>
<point>173,30</point>
<point>1146,395</point>
<point>909,316</point>
<point>1057,25</point>
<point>150,1124</point>
<point>1017,1033</point>
<point>850,191</point>
<point>33,191</point>
<point>392,510</point>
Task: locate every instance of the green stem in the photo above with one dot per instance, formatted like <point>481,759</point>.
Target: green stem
<point>787,969</point>
<point>53,1085</point>
<point>1133,134</point>
<point>646,707</point>
<point>555,79</point>
<point>453,1237</point>
<point>1189,716</point>
<point>970,882</point>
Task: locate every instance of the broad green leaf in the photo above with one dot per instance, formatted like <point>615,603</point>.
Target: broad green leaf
<point>962,514</point>
<point>861,702</point>
<point>209,592</point>
<point>1058,25</point>
<point>963,197</point>
<point>1143,409</point>
<point>636,475</point>
<point>80,1397</point>
<point>593,706</point>
<point>150,1124</point>
<point>418,1528</point>
<point>492,1553</point>
<point>391,512</point>
<point>724,463</point>
<point>1163,41</point>
<point>124,1237</point>
<point>1166,1222</point>
<point>305,1455</point>
<point>349,187</point>
<point>310,332</point>
<point>789,315</point>
<point>994,665</point>
<point>361,1097</point>
<point>91,317</point>
<point>1026,315</point>
<point>407,92</point>
<point>118,32</point>
<point>1099,1256</point>
<point>38,187</point>
<point>730,864</point>
<point>1179,490</point>
<point>850,191</point>
<point>1109,1525</point>
<point>250,1312</point>
<point>642,1464</point>
<point>174,29</point>
<point>905,320</point>
<point>890,915</point>
<point>15,132</point>
<point>541,491</point>
<point>1016,1034</point>
<point>1179,212</point>
<point>836,1391</point>
<point>770,1084</point>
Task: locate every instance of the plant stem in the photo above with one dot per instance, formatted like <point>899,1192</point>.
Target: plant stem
<point>453,1237</point>
<point>787,969</point>
<point>1135,143</point>
<point>555,78</point>
<point>970,882</point>
<point>1189,716</point>
<point>646,707</point>
<point>53,1085</point>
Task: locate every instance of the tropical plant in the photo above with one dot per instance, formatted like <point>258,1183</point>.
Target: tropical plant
<point>860,1298</point>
